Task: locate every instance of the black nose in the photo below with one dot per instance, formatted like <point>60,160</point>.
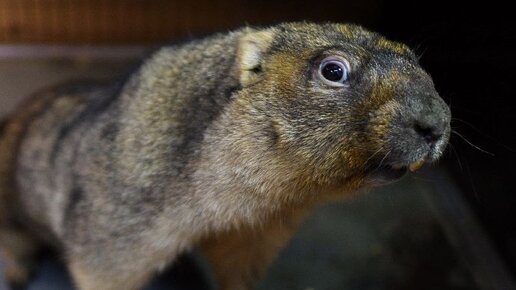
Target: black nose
<point>431,129</point>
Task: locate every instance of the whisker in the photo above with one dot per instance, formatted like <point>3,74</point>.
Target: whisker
<point>484,134</point>
<point>420,55</point>
<point>468,172</point>
<point>457,157</point>
<point>466,123</point>
<point>471,144</point>
<point>371,157</point>
<point>383,159</point>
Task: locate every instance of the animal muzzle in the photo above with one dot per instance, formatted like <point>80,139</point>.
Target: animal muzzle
<point>419,134</point>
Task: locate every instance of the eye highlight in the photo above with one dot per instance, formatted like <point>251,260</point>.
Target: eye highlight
<point>334,71</point>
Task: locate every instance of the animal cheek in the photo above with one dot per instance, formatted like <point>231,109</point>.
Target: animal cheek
<point>381,122</point>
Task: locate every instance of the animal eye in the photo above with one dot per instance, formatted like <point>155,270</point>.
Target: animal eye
<point>334,71</point>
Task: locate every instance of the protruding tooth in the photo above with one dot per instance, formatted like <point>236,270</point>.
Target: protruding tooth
<point>416,165</point>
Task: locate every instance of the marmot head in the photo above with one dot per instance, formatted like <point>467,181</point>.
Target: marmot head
<point>338,101</point>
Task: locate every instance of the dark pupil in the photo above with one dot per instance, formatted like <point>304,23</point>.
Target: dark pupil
<point>332,72</point>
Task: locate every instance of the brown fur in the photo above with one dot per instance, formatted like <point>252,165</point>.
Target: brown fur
<point>225,143</point>
<point>17,246</point>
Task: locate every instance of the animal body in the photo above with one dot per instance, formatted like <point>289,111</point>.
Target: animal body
<point>224,143</point>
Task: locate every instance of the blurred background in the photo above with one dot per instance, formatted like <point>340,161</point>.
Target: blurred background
<point>451,226</point>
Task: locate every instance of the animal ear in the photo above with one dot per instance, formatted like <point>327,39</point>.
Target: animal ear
<point>251,51</point>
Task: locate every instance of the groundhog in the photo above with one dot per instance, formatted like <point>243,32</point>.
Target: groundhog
<point>224,144</point>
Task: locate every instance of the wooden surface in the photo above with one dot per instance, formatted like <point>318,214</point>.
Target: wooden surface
<point>150,21</point>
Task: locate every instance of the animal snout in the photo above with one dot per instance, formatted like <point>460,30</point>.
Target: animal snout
<point>430,129</point>
<point>431,123</point>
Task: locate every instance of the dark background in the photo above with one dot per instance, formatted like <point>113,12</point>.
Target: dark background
<point>469,50</point>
